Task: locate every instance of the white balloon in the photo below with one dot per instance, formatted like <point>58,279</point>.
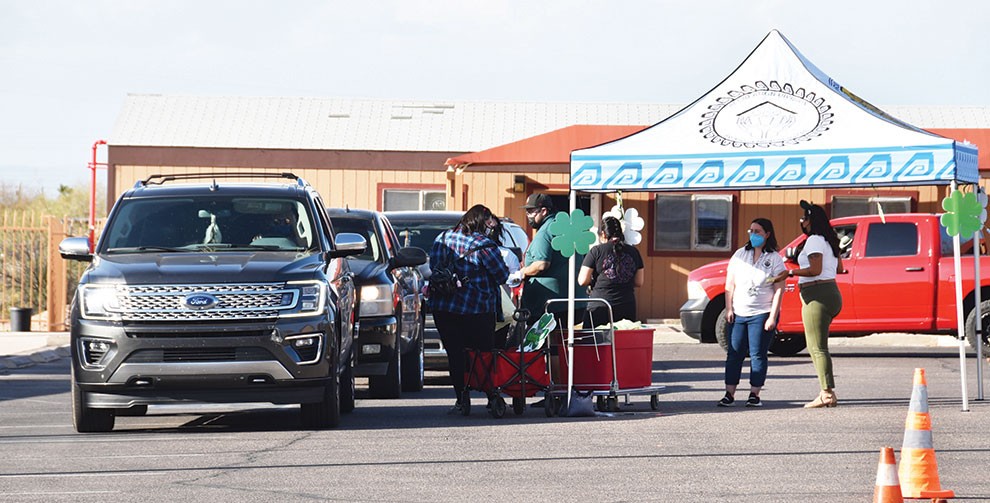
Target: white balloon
<point>632,237</point>
<point>633,220</point>
<point>614,213</point>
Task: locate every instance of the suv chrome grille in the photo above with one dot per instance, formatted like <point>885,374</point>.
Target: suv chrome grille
<point>233,301</point>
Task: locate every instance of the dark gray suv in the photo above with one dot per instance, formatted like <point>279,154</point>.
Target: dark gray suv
<point>214,292</point>
<point>390,308</point>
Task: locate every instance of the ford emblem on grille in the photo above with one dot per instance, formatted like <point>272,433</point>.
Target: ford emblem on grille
<point>200,301</point>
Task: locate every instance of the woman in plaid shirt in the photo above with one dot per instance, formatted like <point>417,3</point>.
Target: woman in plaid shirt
<point>466,319</point>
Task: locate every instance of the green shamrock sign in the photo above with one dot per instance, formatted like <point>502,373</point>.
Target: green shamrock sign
<point>572,233</point>
<point>962,213</point>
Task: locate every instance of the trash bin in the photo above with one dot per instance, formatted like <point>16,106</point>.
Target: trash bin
<point>20,319</point>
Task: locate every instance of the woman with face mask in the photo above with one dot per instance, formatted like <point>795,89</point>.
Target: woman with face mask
<point>465,318</point>
<point>818,263</point>
<point>753,289</point>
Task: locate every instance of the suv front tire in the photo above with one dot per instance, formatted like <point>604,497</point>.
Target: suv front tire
<point>86,419</point>
<point>326,413</point>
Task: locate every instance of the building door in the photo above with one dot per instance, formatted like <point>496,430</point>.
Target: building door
<point>561,202</point>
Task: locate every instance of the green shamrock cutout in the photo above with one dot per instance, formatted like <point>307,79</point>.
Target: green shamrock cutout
<point>572,233</point>
<point>962,216</point>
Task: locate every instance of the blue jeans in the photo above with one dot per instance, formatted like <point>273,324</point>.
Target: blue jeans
<point>742,329</point>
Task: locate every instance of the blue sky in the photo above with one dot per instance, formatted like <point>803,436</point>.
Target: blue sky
<point>67,65</point>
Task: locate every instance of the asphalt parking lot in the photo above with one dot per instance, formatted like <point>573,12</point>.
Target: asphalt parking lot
<point>410,450</point>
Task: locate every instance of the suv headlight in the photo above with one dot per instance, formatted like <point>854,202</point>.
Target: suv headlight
<point>376,300</point>
<point>312,298</point>
<point>695,290</point>
<point>99,302</point>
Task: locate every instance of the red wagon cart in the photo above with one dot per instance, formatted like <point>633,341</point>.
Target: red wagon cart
<point>513,372</point>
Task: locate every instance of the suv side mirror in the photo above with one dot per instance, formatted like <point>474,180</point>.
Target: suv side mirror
<point>408,257</point>
<point>75,249</point>
<point>347,244</point>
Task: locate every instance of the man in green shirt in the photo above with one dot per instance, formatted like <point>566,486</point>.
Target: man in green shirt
<point>545,271</point>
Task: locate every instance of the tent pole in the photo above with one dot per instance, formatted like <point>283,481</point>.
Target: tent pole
<point>571,262</point>
<point>960,327</point>
<point>979,316</point>
<point>977,291</point>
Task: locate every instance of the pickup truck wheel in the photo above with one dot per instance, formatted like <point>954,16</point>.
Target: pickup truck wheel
<point>971,327</point>
<point>711,316</point>
<point>787,344</point>
<point>412,364</point>
<point>86,419</point>
<point>390,384</point>
<point>722,331</point>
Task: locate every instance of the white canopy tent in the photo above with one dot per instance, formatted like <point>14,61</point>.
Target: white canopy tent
<point>776,122</point>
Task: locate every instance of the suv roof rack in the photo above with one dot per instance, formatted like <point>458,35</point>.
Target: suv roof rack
<point>159,179</point>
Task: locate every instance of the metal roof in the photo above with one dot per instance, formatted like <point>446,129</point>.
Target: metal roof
<point>400,125</point>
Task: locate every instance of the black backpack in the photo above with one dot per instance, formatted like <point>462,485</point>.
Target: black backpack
<point>444,281</point>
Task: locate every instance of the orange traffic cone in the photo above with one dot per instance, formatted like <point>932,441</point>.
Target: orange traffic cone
<point>918,470</point>
<point>887,490</point>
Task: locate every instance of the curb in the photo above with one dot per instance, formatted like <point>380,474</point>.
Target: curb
<point>24,349</point>
<point>45,355</point>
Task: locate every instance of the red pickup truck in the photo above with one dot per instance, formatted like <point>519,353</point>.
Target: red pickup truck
<point>899,277</point>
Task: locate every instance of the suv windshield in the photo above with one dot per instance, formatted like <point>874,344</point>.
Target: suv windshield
<point>210,223</point>
<point>420,235</point>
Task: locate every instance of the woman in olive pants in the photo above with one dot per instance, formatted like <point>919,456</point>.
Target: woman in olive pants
<point>818,263</point>
<point>819,304</point>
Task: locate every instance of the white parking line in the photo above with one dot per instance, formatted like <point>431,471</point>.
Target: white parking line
<point>124,456</point>
<point>63,475</point>
<point>52,493</point>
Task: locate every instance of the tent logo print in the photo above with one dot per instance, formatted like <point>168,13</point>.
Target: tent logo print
<point>765,116</point>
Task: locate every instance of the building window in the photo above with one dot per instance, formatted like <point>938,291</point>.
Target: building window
<point>417,200</point>
<point>693,223</point>
<point>848,206</point>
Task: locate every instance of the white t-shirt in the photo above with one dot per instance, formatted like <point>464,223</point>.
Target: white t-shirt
<point>817,244</point>
<point>752,294</point>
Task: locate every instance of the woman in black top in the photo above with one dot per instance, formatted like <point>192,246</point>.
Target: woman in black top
<point>612,269</point>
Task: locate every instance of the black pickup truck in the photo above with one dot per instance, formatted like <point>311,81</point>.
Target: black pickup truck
<point>217,293</point>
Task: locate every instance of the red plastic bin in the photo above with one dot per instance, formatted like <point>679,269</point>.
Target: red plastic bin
<point>633,358</point>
